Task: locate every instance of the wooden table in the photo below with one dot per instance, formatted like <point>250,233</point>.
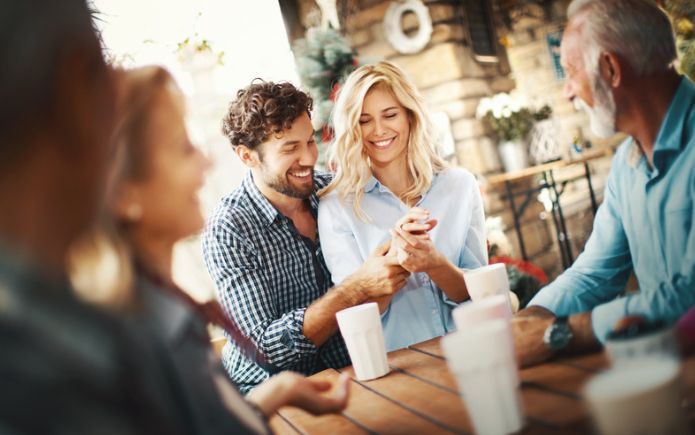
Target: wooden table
<point>419,396</point>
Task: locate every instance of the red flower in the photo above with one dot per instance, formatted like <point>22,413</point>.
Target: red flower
<point>334,92</point>
<point>326,134</point>
<point>523,267</point>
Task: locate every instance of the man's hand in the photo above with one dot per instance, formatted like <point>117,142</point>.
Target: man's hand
<point>528,328</point>
<point>292,389</point>
<point>377,280</point>
<point>380,275</point>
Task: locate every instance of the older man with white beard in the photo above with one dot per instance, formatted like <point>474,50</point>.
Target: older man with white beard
<point>618,57</point>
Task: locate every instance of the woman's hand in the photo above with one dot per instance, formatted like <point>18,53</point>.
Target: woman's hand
<point>416,222</point>
<point>411,242</point>
<point>292,389</point>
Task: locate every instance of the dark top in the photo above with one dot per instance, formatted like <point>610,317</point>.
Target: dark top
<point>69,368</point>
<point>180,333</point>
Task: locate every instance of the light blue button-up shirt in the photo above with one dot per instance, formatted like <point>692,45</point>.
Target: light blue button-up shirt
<point>645,222</point>
<point>420,310</point>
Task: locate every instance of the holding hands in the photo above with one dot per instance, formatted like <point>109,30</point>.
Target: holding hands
<point>414,250</point>
<point>411,243</point>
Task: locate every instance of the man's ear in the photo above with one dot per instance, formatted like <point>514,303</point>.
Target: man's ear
<point>247,156</point>
<point>610,69</point>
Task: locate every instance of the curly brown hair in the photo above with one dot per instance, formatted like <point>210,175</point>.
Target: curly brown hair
<point>263,108</point>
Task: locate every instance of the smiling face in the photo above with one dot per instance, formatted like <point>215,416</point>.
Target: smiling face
<point>285,162</point>
<point>385,128</point>
<point>173,174</point>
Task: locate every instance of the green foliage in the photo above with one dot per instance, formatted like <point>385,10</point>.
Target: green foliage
<point>514,125</point>
<point>683,14</point>
<point>324,59</point>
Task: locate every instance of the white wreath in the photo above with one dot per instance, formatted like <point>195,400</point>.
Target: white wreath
<point>394,32</point>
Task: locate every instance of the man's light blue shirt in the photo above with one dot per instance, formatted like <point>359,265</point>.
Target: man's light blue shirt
<point>645,222</point>
<point>420,310</point>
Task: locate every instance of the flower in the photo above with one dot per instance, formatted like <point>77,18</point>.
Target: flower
<point>507,117</point>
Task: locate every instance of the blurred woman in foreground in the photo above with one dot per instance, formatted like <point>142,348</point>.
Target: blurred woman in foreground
<point>152,204</point>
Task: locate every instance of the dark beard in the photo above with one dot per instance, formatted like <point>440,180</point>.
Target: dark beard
<point>282,184</point>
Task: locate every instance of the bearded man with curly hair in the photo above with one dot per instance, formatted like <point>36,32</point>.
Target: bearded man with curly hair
<point>261,244</point>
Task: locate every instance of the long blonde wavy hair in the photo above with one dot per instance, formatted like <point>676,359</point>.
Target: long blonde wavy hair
<point>348,154</point>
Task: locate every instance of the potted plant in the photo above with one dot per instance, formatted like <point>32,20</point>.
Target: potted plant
<point>510,123</point>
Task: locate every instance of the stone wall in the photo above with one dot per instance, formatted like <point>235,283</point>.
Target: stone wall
<point>453,81</point>
<point>534,73</point>
<point>445,71</point>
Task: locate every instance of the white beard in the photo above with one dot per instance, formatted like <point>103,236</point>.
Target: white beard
<point>602,115</point>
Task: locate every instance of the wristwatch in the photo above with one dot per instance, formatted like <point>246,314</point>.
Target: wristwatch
<point>558,335</point>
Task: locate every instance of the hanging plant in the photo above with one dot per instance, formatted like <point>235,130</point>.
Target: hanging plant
<point>324,60</point>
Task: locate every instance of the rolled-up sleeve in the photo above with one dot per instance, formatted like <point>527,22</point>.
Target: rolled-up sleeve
<point>668,302</point>
<point>247,297</point>
<point>597,276</point>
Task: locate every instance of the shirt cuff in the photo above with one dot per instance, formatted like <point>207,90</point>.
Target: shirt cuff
<point>605,316</point>
<point>293,337</point>
<point>547,298</point>
<point>447,300</point>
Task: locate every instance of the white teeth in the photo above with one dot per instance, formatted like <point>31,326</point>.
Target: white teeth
<point>383,143</point>
<point>302,174</point>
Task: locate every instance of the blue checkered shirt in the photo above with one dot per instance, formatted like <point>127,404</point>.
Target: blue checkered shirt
<point>266,275</point>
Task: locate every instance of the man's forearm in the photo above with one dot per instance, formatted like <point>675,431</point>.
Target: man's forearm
<point>319,318</point>
<point>530,324</point>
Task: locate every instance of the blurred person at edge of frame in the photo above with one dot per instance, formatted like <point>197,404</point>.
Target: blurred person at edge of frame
<point>66,367</point>
<point>151,204</point>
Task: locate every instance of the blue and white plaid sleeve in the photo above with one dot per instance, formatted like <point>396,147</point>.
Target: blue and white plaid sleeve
<point>246,297</point>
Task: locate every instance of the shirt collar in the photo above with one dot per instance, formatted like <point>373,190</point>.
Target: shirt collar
<point>672,128</point>
<point>670,135</point>
<point>264,207</point>
<point>372,184</point>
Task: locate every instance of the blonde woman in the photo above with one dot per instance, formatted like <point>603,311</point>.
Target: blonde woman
<point>392,189</point>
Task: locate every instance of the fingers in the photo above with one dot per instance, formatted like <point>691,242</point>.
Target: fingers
<point>335,402</point>
<point>342,391</point>
<point>320,386</point>
<point>432,223</point>
<point>404,236</point>
<point>415,227</point>
<point>414,214</point>
<point>390,260</point>
<point>382,250</point>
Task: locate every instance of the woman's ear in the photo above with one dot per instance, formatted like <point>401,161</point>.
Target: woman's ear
<point>127,204</point>
<point>248,156</point>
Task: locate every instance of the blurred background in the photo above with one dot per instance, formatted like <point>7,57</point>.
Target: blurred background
<point>488,69</point>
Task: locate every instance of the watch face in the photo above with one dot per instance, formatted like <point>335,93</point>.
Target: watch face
<point>560,336</point>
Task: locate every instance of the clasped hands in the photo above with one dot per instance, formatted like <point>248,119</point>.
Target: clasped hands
<point>410,250</point>
<point>411,243</point>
